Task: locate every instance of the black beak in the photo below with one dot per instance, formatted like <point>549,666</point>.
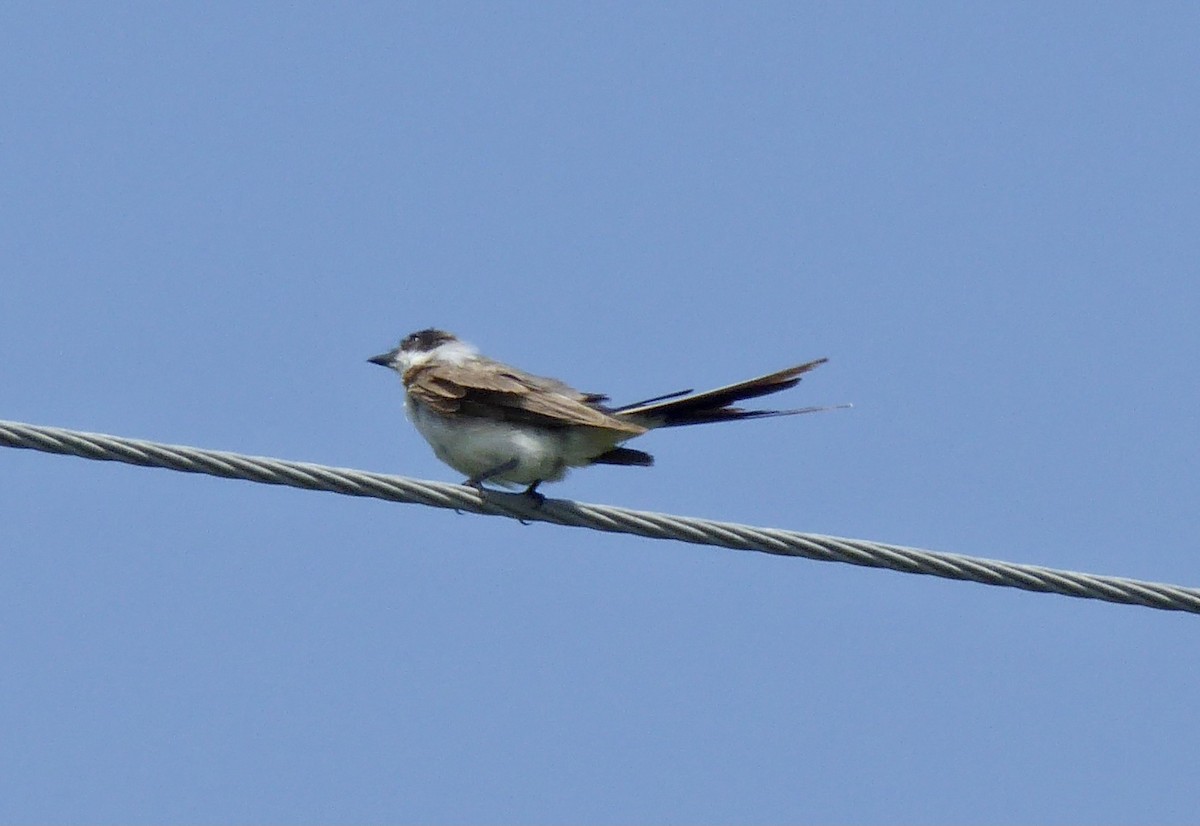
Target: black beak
<point>383,359</point>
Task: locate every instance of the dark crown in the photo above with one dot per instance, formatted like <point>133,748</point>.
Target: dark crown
<point>425,340</point>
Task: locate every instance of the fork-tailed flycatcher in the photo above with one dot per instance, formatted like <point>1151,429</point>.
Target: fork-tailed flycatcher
<point>498,424</point>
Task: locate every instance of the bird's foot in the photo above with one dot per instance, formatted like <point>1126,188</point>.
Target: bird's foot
<point>537,499</point>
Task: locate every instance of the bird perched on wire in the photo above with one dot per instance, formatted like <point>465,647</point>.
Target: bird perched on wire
<point>498,424</point>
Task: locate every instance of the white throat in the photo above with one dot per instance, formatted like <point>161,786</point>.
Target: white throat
<point>448,352</point>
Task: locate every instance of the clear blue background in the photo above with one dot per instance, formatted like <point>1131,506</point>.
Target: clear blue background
<point>988,217</point>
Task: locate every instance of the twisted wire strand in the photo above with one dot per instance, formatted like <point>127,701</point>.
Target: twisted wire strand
<point>598,517</point>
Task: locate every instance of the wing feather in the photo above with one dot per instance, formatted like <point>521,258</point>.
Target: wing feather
<point>492,389</point>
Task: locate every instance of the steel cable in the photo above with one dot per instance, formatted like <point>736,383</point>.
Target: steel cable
<point>598,517</point>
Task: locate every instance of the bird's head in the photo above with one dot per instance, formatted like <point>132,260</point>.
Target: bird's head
<point>422,347</point>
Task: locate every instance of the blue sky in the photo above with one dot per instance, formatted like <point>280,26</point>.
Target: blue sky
<point>985,216</point>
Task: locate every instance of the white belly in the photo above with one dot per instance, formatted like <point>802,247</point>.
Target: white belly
<point>476,447</point>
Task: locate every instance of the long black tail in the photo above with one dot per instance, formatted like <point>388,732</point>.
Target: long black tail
<point>715,405</point>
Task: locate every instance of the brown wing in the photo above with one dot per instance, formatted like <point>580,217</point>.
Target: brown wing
<point>495,390</point>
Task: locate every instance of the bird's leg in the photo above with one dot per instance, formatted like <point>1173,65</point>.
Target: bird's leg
<point>538,498</point>
<point>478,479</point>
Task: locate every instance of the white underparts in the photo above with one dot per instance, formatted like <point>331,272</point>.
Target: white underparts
<point>474,446</point>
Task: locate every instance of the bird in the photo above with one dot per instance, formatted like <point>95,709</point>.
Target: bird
<point>498,424</point>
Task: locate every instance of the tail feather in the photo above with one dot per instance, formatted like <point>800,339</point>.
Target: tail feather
<point>624,456</point>
<point>736,414</point>
<point>645,402</point>
<point>715,405</point>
